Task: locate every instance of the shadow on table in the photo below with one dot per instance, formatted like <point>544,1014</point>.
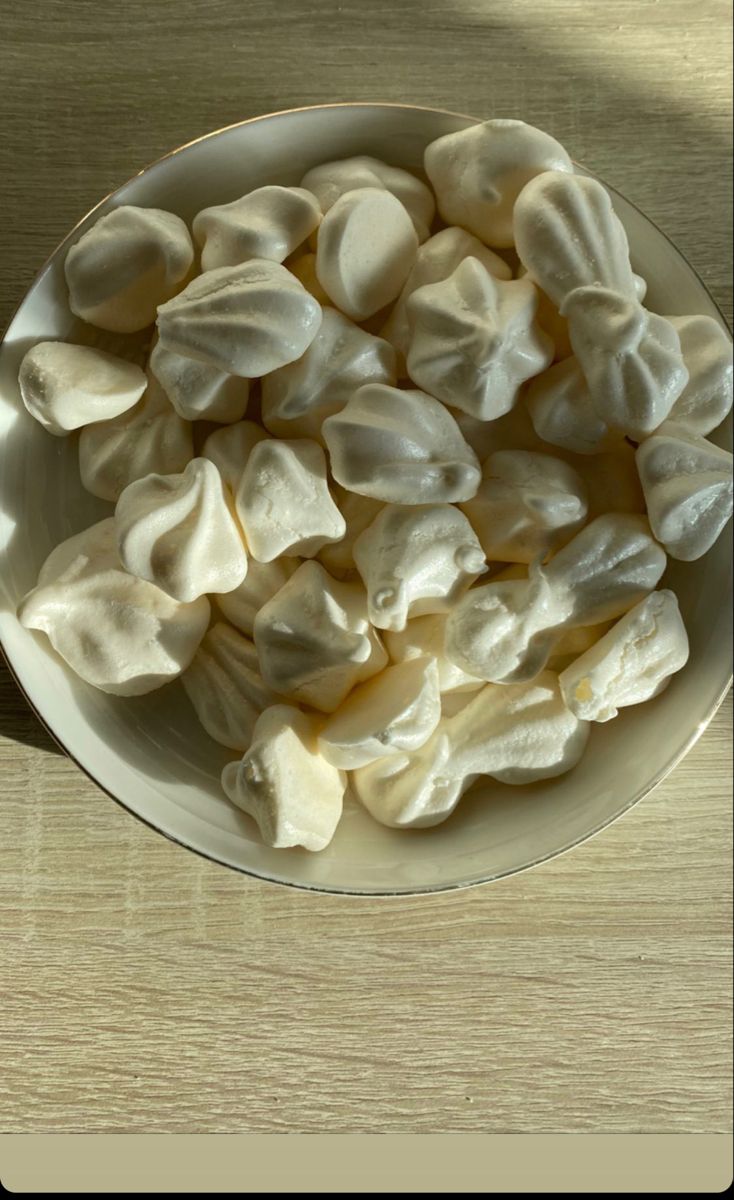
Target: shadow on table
<point>17,719</point>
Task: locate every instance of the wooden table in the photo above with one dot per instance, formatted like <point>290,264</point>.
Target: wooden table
<point>148,990</point>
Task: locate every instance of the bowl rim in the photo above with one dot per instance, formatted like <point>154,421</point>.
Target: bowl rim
<point>357,893</point>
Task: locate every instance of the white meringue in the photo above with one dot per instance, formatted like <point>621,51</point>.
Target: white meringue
<point>296,399</point>
<point>269,223</point>
<point>65,386</point>
<point>263,580</point>
<point>120,634</point>
<point>425,636</point>
<point>574,642</point>
<point>224,685</point>
<point>396,711</point>
<point>517,734</point>
<point>506,631</point>
<point>527,506</point>
<point>178,532</point>
<point>303,266</point>
<point>358,512</point>
<point>631,663</point>
<point>331,180</point>
<point>513,431</point>
<point>416,560</point>
<point>197,391</point>
<point>150,437</point>
<point>283,501</point>
<point>477,174</point>
<point>284,784</point>
<point>125,266</point>
<point>563,412</point>
<point>707,355</point>
<point>244,320</point>
<point>400,446</point>
<point>366,248</point>
<point>314,640</point>
<point>230,448</point>
<point>687,482</point>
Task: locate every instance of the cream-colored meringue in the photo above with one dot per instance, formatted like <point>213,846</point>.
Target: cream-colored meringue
<point>331,180</point>
<point>197,391</point>
<point>425,636</point>
<point>244,320</point>
<point>517,734</point>
<point>296,399</point>
<point>416,560</point>
<point>148,438</point>
<point>283,500</point>
<point>707,355</point>
<point>284,784</point>
<point>119,633</point>
<point>65,386</point>
<point>574,642</point>
<point>506,631</point>
<point>224,685</point>
<point>358,512</point>
<point>314,640</point>
<point>230,448</point>
<point>396,711</point>
<point>263,580</point>
<point>527,506</point>
<point>631,663</point>
<point>303,266</point>
<point>399,446</point>
<point>361,281</point>
<point>687,482</point>
<point>478,172</point>
<point>563,412</point>
<point>125,266</point>
<point>178,532</point>
<point>269,223</point>
<point>474,340</point>
<point>513,431</point>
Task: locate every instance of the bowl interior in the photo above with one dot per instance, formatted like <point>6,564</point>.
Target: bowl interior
<point>150,753</point>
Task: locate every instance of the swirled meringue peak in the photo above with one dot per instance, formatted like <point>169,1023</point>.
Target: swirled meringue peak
<point>245,320</point>
<point>416,560</point>
<point>131,261</point>
<point>283,500</point>
<point>269,223</point>
<point>177,531</point>
<point>225,687</point>
<point>297,398</point>
<point>331,180</point>
<point>399,446</point>
<point>362,281</point>
<point>474,340</point>
<point>563,412</point>
<point>230,448</point>
<point>478,173</point>
<point>121,634</point>
<point>197,391</point>
<point>65,386</point>
<point>707,356</point>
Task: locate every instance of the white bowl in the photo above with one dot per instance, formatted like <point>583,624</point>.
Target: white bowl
<point>150,753</point>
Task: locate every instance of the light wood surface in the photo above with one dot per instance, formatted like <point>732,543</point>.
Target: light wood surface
<point>145,989</point>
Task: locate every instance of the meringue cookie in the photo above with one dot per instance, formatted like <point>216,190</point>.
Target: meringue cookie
<point>517,734</point>
<point>125,266</point>
<point>416,560</point>
<point>575,642</point>
<point>224,685</point>
<point>400,446</point>
<point>687,482</point>
<point>631,358</point>
<point>527,506</point>
<point>296,399</point>
<point>478,173</point>
<point>631,663</point>
<point>707,355</point>
<point>568,236</point>
<point>360,283</point>
<point>331,180</point>
<point>284,784</point>
<point>358,512</point>
<point>425,636</point>
<point>263,580</point>
<point>177,531</point>
<point>150,437</point>
<point>474,340</point>
<point>314,640</point>
<point>396,711</point>
<point>120,634</point>
<point>244,320</point>
<point>303,266</point>
<point>563,412</point>
<point>283,501</point>
<point>269,223</point>
<point>506,631</point>
<point>65,386</point>
<point>513,431</point>
<point>230,448</point>
<point>197,391</point>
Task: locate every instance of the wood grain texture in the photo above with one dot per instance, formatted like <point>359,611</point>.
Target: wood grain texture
<point>147,989</point>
